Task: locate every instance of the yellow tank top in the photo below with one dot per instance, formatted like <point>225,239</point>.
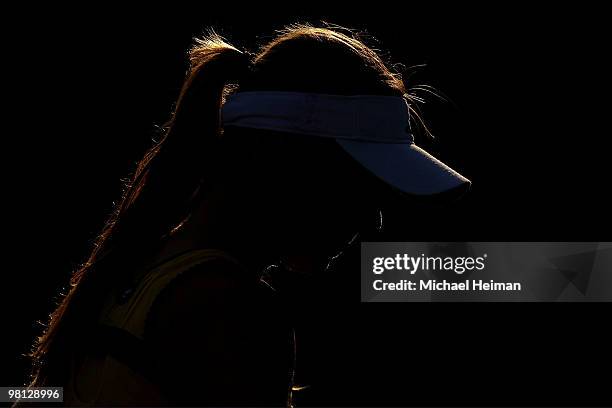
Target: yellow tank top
<point>106,380</point>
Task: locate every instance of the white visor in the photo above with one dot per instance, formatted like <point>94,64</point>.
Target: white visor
<point>374,130</point>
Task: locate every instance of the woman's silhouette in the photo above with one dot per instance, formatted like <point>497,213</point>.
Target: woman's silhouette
<point>278,158</point>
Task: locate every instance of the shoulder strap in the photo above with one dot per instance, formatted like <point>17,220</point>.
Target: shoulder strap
<point>128,310</point>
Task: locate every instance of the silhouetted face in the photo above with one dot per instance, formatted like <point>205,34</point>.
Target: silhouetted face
<point>305,193</point>
<point>311,195</point>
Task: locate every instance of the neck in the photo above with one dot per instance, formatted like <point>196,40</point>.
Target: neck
<point>215,224</point>
<point>221,222</point>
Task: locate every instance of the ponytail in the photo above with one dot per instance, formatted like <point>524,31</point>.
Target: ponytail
<point>172,170</point>
<point>157,198</point>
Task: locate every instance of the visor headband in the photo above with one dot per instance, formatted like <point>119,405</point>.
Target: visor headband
<point>367,118</point>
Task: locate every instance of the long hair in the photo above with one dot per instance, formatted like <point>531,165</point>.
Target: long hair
<point>167,181</point>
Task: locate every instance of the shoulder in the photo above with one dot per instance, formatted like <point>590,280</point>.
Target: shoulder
<point>209,334</point>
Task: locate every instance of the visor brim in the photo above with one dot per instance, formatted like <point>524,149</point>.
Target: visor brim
<point>405,166</point>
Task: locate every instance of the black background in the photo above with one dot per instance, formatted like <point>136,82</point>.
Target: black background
<point>87,86</point>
